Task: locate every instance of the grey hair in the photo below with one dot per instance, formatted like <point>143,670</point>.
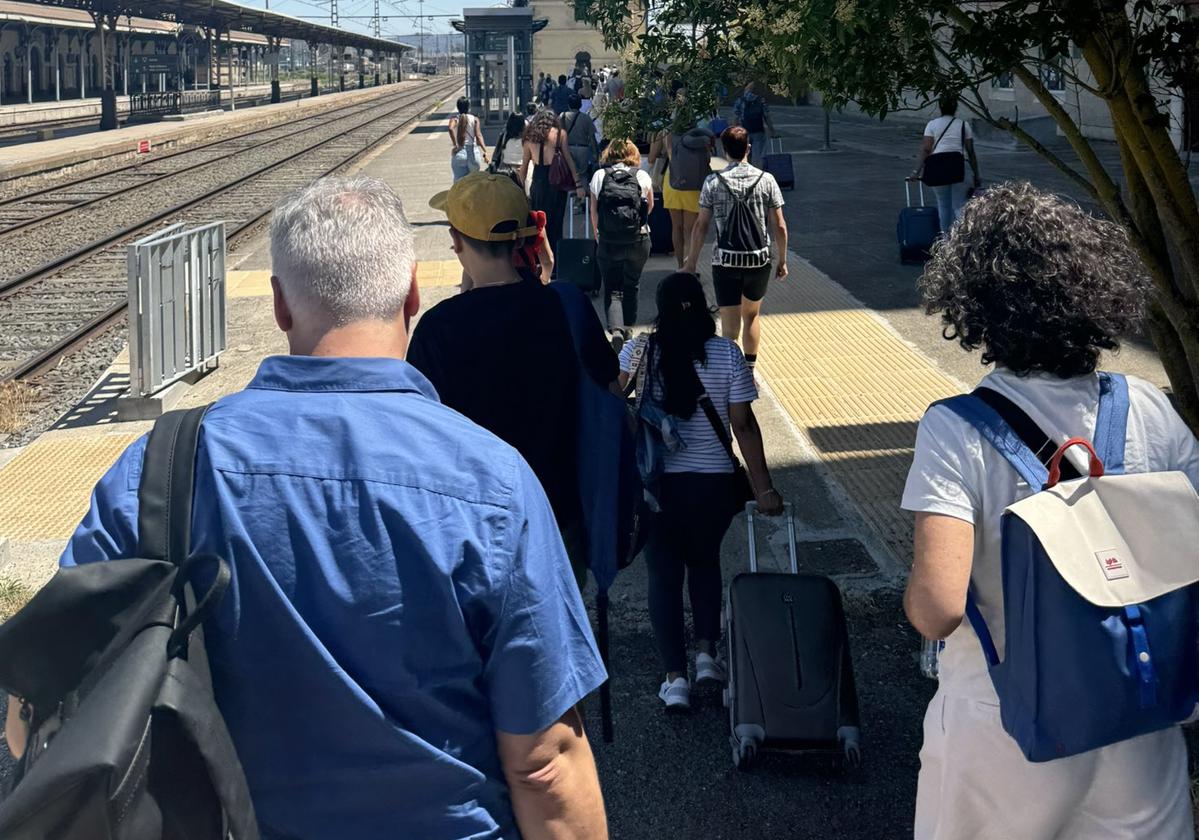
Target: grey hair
<point>342,248</point>
<point>1036,281</point>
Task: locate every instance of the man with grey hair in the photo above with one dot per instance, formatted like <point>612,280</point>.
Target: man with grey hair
<point>402,647</point>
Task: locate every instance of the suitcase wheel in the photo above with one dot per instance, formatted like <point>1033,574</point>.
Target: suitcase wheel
<point>745,740</point>
<point>850,739</point>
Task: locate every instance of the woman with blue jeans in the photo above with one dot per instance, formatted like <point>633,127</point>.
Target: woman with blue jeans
<point>469,153</point>
<point>949,135</point>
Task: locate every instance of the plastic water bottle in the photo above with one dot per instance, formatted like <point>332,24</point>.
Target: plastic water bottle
<point>930,650</point>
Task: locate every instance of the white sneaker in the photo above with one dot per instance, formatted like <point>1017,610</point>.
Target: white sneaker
<point>676,695</point>
<point>707,669</point>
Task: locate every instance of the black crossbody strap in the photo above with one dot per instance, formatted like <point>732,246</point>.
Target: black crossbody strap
<point>952,120</point>
<point>164,496</point>
<point>1026,429</point>
<point>705,402</point>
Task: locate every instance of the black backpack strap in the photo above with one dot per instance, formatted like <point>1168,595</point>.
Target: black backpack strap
<point>1026,429</point>
<point>164,496</point>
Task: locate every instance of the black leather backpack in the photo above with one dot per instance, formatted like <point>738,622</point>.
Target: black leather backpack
<point>108,663</point>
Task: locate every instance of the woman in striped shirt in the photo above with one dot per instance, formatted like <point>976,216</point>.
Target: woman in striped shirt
<point>698,494</point>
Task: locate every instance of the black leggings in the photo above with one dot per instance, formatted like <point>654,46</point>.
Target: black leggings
<point>696,512</point>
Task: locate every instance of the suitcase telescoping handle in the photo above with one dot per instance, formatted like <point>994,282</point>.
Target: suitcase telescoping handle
<point>907,190</point>
<point>775,142</point>
<point>570,212</point>
<point>751,508</point>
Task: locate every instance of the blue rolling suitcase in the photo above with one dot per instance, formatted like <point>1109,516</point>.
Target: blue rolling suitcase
<point>779,164</point>
<point>917,228</point>
<point>574,259</point>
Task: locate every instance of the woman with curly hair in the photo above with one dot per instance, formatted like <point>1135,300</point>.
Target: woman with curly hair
<point>1042,288</point>
<point>545,138</point>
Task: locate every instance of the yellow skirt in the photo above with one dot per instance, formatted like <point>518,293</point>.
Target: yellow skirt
<point>673,199</point>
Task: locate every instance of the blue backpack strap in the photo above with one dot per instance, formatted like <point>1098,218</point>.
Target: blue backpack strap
<point>1111,422</point>
<point>995,430</point>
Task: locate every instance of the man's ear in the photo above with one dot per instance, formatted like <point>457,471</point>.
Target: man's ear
<point>412,302</point>
<point>283,316</point>
<point>456,243</point>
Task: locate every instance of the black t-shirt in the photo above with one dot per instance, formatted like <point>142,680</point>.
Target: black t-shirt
<point>503,356</point>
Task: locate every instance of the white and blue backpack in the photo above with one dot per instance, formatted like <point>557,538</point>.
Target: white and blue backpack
<point>1100,593</point>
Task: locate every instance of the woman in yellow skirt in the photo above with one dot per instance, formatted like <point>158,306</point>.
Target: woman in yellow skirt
<point>683,204</point>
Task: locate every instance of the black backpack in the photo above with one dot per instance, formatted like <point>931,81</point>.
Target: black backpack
<point>753,115</point>
<point>742,239</point>
<point>621,207</point>
<point>126,742</point>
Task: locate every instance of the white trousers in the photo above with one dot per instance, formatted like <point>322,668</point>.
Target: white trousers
<point>975,784</point>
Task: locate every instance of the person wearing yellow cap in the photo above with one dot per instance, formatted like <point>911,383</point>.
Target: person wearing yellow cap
<point>502,353</point>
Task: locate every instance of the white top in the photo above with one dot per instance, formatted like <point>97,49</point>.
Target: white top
<point>513,152</point>
<point>727,380</point>
<point>952,141</point>
<point>957,473</point>
<point>469,137</point>
<point>643,179</point>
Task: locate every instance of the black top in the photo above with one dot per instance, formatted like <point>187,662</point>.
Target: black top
<point>503,356</point>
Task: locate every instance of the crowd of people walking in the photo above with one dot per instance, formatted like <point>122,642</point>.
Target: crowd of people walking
<point>406,509</point>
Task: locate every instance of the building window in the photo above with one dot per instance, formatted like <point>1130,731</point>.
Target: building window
<point>581,9</point>
<point>1004,81</point>
<point>1052,77</point>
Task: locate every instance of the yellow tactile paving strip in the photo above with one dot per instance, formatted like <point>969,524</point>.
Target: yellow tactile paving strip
<point>248,284</point>
<point>431,273</point>
<point>45,490</point>
<point>853,388</point>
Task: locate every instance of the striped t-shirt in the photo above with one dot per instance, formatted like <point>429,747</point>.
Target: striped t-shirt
<point>727,380</point>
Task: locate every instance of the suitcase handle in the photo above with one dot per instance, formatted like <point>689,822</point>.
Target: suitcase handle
<point>751,508</point>
<point>907,191</point>
<point>570,211</point>
<point>771,145</point>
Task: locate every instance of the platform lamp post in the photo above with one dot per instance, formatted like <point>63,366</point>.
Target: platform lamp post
<point>275,43</point>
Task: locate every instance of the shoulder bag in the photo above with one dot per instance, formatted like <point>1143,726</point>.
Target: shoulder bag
<point>560,174</point>
<point>944,168</point>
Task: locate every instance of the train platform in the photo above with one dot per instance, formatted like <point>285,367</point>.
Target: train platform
<point>81,149</point>
<point>847,366</point>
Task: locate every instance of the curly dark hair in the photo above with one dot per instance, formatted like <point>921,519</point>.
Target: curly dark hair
<point>1036,281</point>
<point>539,128</point>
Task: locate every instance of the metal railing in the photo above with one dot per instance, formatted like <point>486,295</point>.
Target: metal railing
<point>176,305</point>
<point>163,103</point>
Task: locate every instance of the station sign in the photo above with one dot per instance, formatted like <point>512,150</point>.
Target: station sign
<point>153,64</point>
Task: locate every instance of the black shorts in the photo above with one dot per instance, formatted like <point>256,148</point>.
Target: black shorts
<point>732,284</point>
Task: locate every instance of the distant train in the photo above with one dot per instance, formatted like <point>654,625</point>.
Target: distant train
<point>428,68</point>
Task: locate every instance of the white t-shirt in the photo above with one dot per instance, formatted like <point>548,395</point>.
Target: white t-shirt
<point>513,151</point>
<point>643,180</point>
<point>727,379</point>
<point>957,473</point>
<point>952,141</point>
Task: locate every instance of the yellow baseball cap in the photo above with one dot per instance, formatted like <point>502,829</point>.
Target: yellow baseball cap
<point>486,207</point>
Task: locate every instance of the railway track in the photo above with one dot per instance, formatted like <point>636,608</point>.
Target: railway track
<point>54,201</point>
<point>50,310</point>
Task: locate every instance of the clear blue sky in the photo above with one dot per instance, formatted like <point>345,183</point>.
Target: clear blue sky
<point>354,14</point>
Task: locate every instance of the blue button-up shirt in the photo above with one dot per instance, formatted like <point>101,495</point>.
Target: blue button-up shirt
<point>400,592</point>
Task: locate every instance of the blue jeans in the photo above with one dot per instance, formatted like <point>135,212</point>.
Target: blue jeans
<point>950,199</point>
<point>465,161</point>
<point>758,146</point>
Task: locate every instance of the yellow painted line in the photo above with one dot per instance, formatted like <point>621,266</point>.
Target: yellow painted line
<point>853,388</point>
<point>248,284</point>
<point>430,273</point>
<point>45,490</point>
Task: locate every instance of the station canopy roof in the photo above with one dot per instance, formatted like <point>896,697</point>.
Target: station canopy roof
<point>228,15</point>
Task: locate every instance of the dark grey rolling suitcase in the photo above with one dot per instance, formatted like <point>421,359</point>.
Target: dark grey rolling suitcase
<point>790,677</point>
<point>575,258</point>
<point>779,164</point>
<point>917,228</point>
